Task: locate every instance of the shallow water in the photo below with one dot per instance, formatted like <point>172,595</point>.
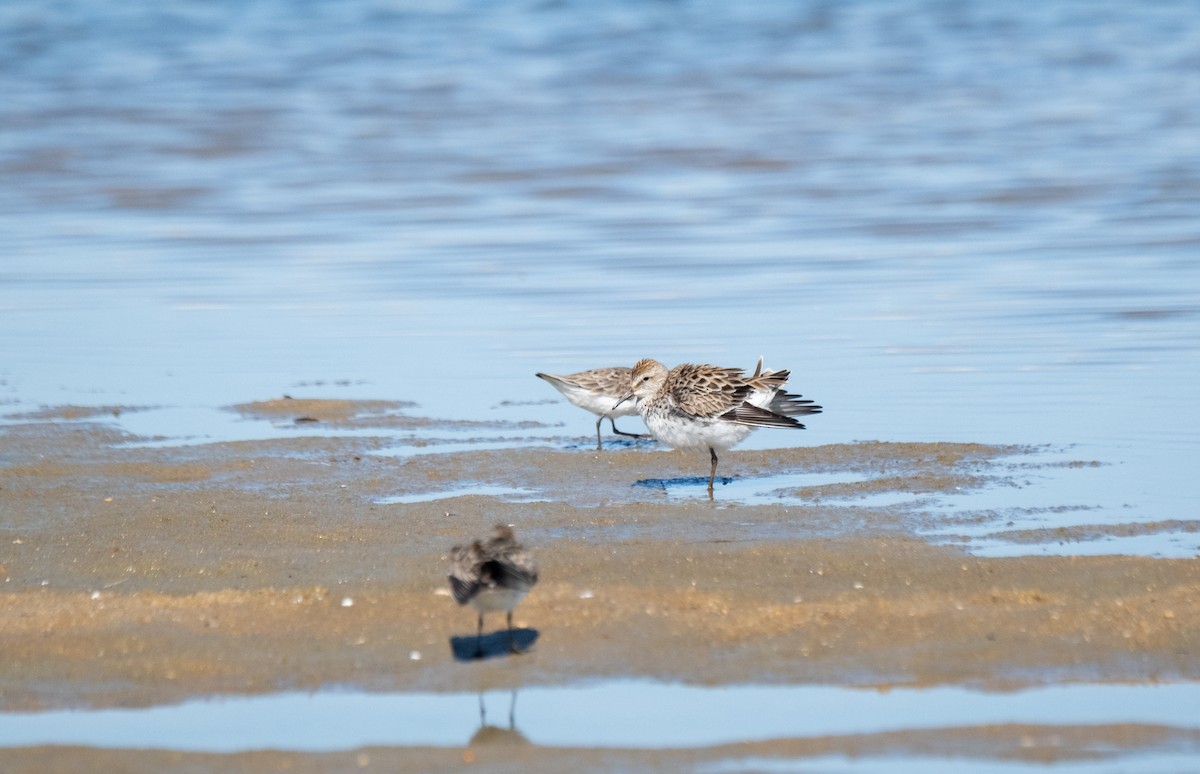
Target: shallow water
<point>952,221</point>
<point>951,765</point>
<point>506,493</point>
<point>628,714</point>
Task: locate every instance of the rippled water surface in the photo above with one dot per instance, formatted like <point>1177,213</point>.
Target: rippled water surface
<point>952,221</point>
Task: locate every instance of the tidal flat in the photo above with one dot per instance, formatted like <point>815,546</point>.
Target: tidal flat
<point>140,575</point>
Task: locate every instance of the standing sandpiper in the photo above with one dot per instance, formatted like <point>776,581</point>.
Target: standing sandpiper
<point>596,391</point>
<point>709,407</point>
<point>493,575</point>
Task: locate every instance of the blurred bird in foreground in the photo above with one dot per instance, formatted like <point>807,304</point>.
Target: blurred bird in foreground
<point>493,574</point>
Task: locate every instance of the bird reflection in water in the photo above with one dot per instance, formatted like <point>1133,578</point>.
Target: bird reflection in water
<point>496,735</point>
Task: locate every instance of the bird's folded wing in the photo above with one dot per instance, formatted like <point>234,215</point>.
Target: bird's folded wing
<point>746,414</point>
<point>792,405</point>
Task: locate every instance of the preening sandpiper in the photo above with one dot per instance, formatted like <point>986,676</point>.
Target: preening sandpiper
<point>493,574</point>
<point>596,391</point>
<point>710,407</point>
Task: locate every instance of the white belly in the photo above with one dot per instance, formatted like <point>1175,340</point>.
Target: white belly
<point>497,599</point>
<point>601,405</point>
<point>680,433</point>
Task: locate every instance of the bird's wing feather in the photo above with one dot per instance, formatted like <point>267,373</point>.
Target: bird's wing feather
<point>515,569</point>
<point>465,580</point>
<point>746,414</point>
<point>792,405</point>
<point>610,380</point>
<point>462,589</point>
<point>707,391</point>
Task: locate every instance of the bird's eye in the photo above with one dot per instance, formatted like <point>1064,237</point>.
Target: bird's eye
<point>646,378</point>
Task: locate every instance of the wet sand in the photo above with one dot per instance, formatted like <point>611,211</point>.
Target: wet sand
<point>137,575</point>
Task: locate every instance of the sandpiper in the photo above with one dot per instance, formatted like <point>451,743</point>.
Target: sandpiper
<point>493,574</point>
<point>709,407</point>
<point>596,391</point>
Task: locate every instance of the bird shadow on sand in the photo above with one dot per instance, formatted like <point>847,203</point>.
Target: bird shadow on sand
<point>671,483</point>
<point>494,645</point>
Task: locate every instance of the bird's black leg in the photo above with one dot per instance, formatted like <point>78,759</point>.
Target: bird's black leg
<point>479,638</point>
<point>712,474</point>
<point>613,422</point>
<point>512,645</point>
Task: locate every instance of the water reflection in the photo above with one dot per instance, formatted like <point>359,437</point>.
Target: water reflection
<point>619,714</point>
<point>493,735</point>
<point>643,442</point>
<point>664,484</point>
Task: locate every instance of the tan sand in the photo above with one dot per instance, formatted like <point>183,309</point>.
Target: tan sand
<point>135,576</point>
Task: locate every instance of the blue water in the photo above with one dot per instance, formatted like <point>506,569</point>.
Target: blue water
<point>620,714</point>
<point>952,221</point>
<point>859,764</point>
